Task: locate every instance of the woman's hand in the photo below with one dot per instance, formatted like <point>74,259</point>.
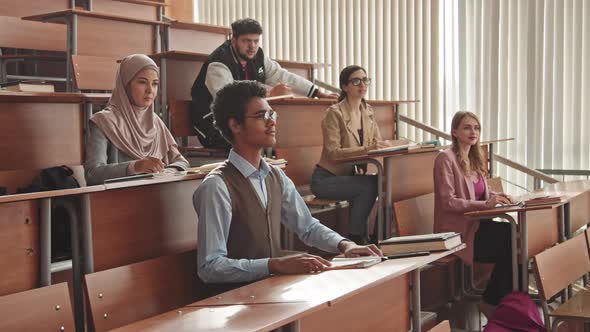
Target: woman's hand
<point>380,145</point>
<point>149,165</point>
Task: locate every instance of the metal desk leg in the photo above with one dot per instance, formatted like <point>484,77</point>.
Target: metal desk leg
<point>291,327</point>
<point>45,243</point>
<point>514,244</point>
<point>379,199</point>
<point>76,270</point>
<point>415,294</point>
<point>388,197</point>
<point>567,221</point>
<point>86,228</point>
<point>562,233</point>
<point>524,252</point>
<point>163,92</point>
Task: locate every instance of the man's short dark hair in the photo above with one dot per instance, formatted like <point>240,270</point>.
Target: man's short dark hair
<point>230,102</point>
<point>245,26</point>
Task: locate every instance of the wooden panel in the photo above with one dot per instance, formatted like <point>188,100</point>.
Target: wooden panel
<point>297,69</point>
<point>301,162</point>
<point>16,33</point>
<point>19,8</point>
<point>110,38</point>
<point>383,308</point>
<point>580,211</point>
<point>415,216</point>
<point>94,72</point>
<point>558,267</point>
<point>412,175</point>
<point>180,119</point>
<point>443,326</point>
<point>134,292</point>
<point>543,230</point>
<point>195,41</point>
<point>36,310</point>
<point>135,10</point>
<point>36,136</point>
<point>134,224</point>
<point>181,76</point>
<point>19,244</point>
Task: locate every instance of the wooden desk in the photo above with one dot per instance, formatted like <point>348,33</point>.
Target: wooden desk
<point>547,222</point>
<point>238,318</point>
<point>342,290</point>
<point>576,195</point>
<point>89,30</point>
<point>410,170</point>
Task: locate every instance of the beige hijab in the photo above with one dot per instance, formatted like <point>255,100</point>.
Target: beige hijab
<point>138,133</point>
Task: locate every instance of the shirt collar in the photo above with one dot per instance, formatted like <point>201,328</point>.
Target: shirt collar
<point>244,166</point>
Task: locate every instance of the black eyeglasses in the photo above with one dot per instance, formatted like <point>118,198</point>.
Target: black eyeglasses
<point>357,81</point>
<point>268,115</point>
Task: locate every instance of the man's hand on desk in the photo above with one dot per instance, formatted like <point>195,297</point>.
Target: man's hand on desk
<point>280,89</point>
<point>297,264</point>
<point>351,249</point>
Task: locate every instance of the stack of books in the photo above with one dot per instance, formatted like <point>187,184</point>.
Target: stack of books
<point>417,243</point>
<point>540,199</point>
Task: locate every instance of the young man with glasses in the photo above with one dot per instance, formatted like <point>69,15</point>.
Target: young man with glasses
<point>240,58</point>
<point>242,204</point>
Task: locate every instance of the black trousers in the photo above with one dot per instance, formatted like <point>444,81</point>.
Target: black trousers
<point>492,245</point>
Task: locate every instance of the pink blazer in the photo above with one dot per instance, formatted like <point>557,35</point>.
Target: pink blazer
<point>453,196</point>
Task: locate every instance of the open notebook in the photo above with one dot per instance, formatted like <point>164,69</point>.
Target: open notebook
<point>340,263</point>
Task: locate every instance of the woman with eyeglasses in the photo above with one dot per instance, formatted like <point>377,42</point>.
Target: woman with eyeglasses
<point>349,129</point>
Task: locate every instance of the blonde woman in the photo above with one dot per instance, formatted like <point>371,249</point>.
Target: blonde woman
<point>460,186</point>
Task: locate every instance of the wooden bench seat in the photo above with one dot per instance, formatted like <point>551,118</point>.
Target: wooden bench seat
<point>41,309</point>
<point>195,37</point>
<point>555,270</point>
<point>130,293</point>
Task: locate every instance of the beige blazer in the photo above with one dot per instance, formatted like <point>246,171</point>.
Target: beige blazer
<point>454,195</point>
<point>341,140</point>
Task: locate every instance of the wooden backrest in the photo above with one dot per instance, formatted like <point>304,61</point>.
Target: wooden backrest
<point>124,37</point>
<point>133,224</point>
<point>19,244</point>
<point>559,266</point>
<point>134,292</point>
<point>412,175</point>
<point>301,162</point>
<point>180,119</point>
<point>144,11</point>
<point>195,37</point>
<point>495,184</point>
<point>41,309</point>
<point>40,135</point>
<point>94,72</point>
<point>16,33</point>
<point>415,216</point>
<point>443,326</point>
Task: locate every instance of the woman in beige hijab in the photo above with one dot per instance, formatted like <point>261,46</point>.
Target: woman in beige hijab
<point>127,138</point>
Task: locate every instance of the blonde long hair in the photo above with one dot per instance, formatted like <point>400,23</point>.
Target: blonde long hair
<point>477,161</point>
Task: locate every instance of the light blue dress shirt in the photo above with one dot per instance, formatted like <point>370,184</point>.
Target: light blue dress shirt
<point>212,202</point>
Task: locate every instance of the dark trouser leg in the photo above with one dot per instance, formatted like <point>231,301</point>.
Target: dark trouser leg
<point>492,245</point>
<point>360,190</point>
